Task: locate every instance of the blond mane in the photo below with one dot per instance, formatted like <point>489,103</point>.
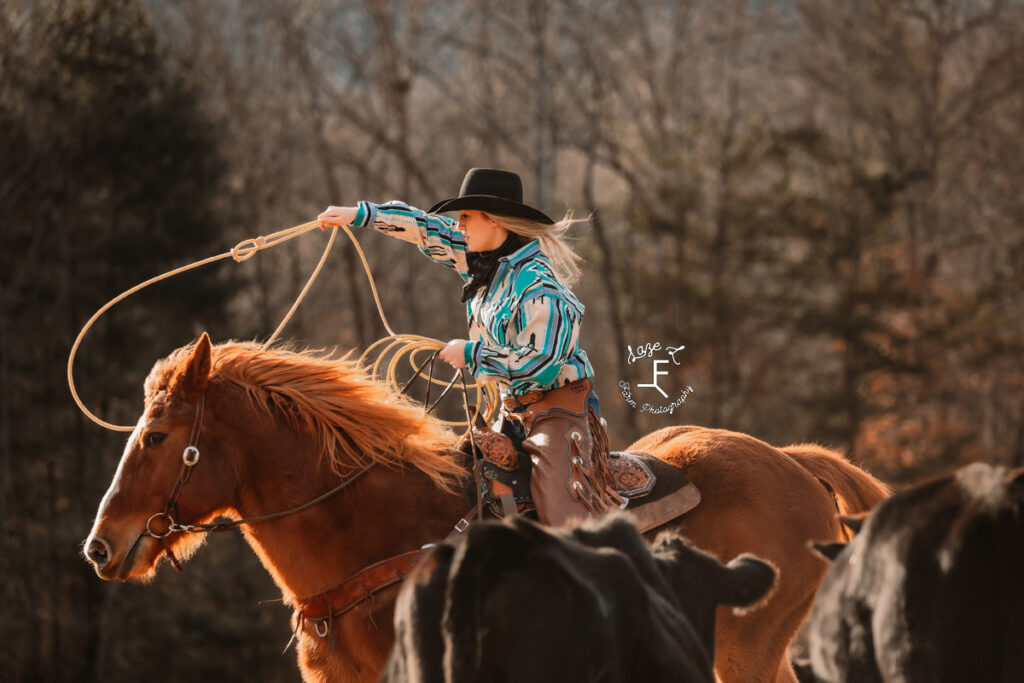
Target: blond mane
<point>334,398</point>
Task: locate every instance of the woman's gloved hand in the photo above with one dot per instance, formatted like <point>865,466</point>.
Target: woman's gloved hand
<point>453,353</point>
<point>337,215</point>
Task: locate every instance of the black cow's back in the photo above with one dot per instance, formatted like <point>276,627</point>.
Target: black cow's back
<point>931,589</point>
<point>519,602</point>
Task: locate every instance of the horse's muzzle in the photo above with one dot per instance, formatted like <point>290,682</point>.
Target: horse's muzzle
<point>98,551</point>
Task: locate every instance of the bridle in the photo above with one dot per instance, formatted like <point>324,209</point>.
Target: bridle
<point>189,459</point>
<point>323,608</point>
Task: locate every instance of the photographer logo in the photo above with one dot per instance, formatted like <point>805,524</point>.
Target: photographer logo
<point>662,359</point>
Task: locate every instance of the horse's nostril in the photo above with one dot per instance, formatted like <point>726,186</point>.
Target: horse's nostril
<point>98,552</point>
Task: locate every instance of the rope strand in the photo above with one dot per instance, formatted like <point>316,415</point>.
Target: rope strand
<point>400,345</point>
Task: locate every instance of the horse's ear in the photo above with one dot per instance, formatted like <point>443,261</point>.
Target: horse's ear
<point>196,373</point>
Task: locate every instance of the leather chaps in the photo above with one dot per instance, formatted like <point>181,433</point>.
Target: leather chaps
<point>568,447</point>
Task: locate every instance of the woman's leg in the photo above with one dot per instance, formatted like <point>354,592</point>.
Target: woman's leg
<point>556,446</point>
<point>567,446</point>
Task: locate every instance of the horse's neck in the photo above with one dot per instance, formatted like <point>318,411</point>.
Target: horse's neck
<point>383,513</point>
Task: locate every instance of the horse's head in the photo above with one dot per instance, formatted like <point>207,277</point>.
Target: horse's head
<point>120,547</point>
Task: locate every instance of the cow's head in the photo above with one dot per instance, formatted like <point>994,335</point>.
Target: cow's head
<point>700,583</point>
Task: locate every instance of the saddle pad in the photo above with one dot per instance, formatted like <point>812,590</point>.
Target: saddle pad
<point>633,478</point>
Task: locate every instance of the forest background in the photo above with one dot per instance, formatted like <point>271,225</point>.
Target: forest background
<point>820,199</point>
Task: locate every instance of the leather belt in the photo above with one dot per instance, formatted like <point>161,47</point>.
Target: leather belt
<point>522,400</point>
<point>519,401</point>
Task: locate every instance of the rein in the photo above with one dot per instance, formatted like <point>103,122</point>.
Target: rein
<point>320,609</point>
<point>379,575</point>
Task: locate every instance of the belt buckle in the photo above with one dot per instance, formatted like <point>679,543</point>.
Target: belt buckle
<point>535,396</point>
<point>512,403</point>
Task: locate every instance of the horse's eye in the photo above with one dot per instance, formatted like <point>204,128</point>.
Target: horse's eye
<point>155,439</point>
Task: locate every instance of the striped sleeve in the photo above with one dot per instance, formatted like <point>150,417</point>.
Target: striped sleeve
<point>548,328</point>
<point>435,235</point>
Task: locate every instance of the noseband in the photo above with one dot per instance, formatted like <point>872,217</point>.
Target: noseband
<point>189,459</point>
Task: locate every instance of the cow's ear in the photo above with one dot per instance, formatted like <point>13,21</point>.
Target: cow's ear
<point>745,581</point>
<point>853,522</point>
<point>195,371</point>
<point>830,551</point>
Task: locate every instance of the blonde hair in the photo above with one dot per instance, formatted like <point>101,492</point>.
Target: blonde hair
<point>553,242</point>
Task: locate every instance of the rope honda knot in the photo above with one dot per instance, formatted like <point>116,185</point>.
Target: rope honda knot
<point>246,249</point>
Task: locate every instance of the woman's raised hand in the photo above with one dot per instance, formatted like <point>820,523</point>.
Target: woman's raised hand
<point>337,215</point>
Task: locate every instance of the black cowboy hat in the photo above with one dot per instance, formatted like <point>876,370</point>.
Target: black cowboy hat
<point>493,191</point>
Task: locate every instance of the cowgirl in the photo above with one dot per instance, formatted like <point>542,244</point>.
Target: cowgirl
<point>524,327</point>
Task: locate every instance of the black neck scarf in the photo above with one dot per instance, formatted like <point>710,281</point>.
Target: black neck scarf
<point>483,264</point>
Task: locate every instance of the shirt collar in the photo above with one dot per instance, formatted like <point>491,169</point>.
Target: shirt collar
<point>530,250</point>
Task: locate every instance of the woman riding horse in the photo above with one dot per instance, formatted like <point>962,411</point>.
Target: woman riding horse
<point>524,325</point>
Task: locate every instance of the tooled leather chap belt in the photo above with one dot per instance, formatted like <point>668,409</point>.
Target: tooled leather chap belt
<point>522,400</point>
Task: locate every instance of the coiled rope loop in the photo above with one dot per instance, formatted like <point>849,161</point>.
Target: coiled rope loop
<point>412,347</point>
<point>399,345</point>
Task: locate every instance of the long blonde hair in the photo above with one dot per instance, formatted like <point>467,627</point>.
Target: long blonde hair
<point>553,242</point>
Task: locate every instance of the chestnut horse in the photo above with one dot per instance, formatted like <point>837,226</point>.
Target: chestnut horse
<point>276,429</point>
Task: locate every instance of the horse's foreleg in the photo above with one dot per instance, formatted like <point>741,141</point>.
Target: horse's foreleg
<point>755,648</point>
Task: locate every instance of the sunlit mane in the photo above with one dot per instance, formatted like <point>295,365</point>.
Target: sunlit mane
<point>333,397</point>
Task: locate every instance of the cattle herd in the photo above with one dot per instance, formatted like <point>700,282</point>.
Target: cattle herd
<point>930,588</point>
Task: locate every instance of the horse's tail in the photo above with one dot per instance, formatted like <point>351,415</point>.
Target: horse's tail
<point>855,490</point>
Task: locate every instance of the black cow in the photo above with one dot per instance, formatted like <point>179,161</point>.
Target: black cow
<point>518,602</point>
<point>931,588</point>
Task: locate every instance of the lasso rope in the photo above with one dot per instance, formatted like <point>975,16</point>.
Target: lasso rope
<point>411,346</point>
<point>400,345</point>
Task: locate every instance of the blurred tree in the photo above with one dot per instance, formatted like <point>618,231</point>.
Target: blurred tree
<point>108,170</point>
<point>910,94</point>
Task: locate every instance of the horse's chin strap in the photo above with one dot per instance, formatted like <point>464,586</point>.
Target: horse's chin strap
<point>170,555</point>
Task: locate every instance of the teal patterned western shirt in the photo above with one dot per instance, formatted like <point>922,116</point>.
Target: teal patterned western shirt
<point>524,327</point>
